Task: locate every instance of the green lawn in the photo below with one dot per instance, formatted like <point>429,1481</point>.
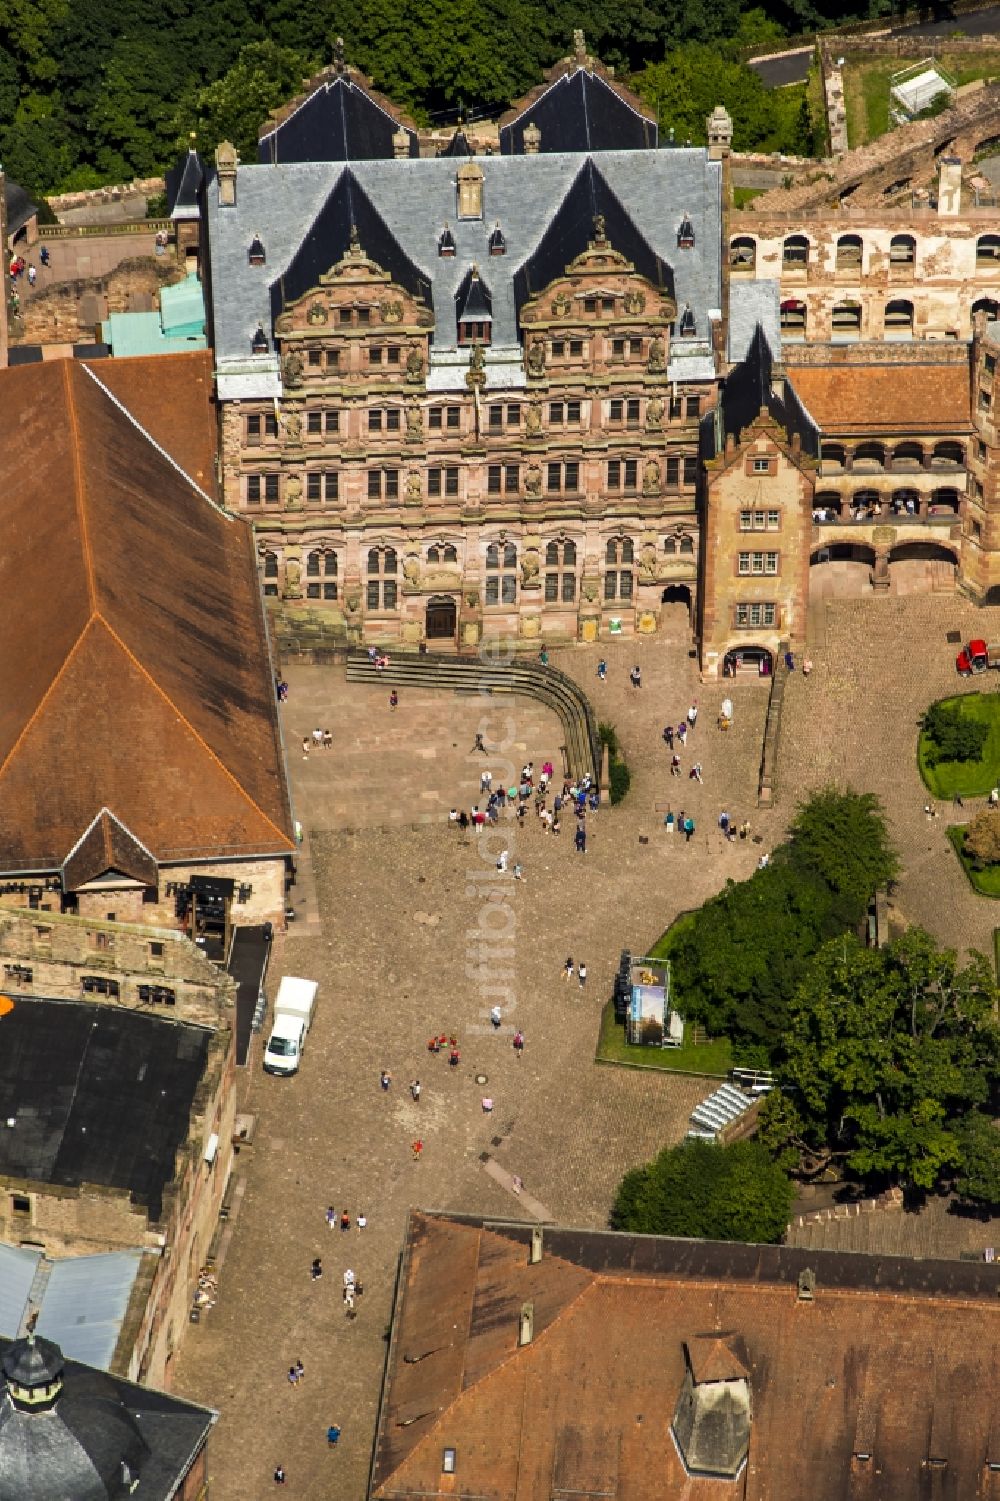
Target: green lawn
<point>714,1058</point>
<point>986,882</point>
<point>969,778</point>
<point>866,88</point>
<point>743,196</point>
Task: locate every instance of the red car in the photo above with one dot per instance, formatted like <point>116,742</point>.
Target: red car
<point>977,657</point>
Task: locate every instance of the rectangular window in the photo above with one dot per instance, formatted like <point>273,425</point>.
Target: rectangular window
<point>375,355</point>
<point>691,471</point>
<point>494,479</point>
<point>375,421</point>
<point>392,420</point>
<point>253,428</point>
<point>314,422</point>
<point>333,359</point>
<point>253,489</point>
<point>496,419</point>
<point>571,477</point>
<point>271,488</point>
<point>555,411</point>
<point>607,304</point>
<point>553,477</point>
<point>616,411</point>
<point>551,587</point>
<point>433,482</point>
<point>392,354</point>
<point>21,1204</point>
<point>374,484</point>
<point>391,483</point>
<point>435,417</point>
<point>558,348</point>
<point>333,422</point>
<point>513,414</point>
<point>762,466</point>
<point>576,348</point>
<point>512,478</point>
<point>631,473</point>
<point>332,480</point>
<point>632,412</point>
<point>371,594</point>
<point>614,474</point>
<point>314,485</point>
<point>693,406</point>
<point>618,348</point>
<point>156,950</point>
<point>568,588</point>
<point>673,471</point>
<point>508,586</point>
<point>981,451</point>
<point>100,985</point>
<point>773,520</point>
<point>990,363</point>
<point>315,358</point>
<point>590,304</point>
<point>344,315</point>
<point>451,481</point>
<point>454,418</point>
<point>677,406</point>
<point>492,589</point>
<point>756,614</point>
<point>364,315</point>
<point>746,521</point>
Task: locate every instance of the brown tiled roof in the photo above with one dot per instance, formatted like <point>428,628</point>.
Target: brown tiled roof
<point>136,672</point>
<point>891,1360</point>
<point>108,846</point>
<point>170,395</point>
<point>885,399</point>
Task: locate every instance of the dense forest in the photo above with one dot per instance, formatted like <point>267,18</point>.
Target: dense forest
<point>96,91</point>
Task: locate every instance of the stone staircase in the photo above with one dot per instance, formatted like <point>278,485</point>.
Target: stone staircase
<point>582,750</point>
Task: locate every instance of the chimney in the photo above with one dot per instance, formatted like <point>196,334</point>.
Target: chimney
<point>226,162</point>
<point>720,133</point>
<point>537,1238</point>
<point>526,1324</point>
<point>807,1285</point>
<point>400,144</point>
<point>532,139</point>
<point>469,180</point>
<point>949,186</point>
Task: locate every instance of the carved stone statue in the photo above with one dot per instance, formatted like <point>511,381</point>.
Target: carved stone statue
<point>293,576</point>
<point>476,373</point>
<point>293,493</point>
<point>414,490</point>
<point>654,413</point>
<point>414,424</point>
<point>561,304</point>
<point>648,562</point>
<point>533,420</point>
<point>533,481</point>
<point>531,563</point>
<point>657,357</point>
<point>391,311</point>
<point>317,313</point>
<point>414,365</point>
<point>634,302</point>
<point>291,368</point>
<point>600,234</point>
<point>293,427</point>
<point>651,478</point>
<point>411,570</point>
<point>536,358</point>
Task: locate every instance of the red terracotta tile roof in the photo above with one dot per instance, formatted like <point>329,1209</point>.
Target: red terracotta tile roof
<point>136,672</point>
<point>859,1392</point>
<point>885,398</point>
<point>170,395</point>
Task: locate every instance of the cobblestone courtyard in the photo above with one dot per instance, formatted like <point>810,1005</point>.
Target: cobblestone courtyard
<point>393,910</point>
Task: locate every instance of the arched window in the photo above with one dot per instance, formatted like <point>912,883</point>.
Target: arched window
<point>271,575</point>
<point>899,319</point>
<point>834,454</point>
<point>944,503</point>
<point>670,546</point>
<point>850,252</point>
<point>906,455</point>
<point>902,251</point>
<point>795,251</point>
<point>905,502</point>
<point>866,504</point>
<point>687,545</point>
<point>383,590</point>
<point>743,253</point>
<point>869,453</point>
<point>433,556</point>
<point>988,250</point>
<point>846,321</point>
<point>986,305</point>
<point>321,574</point>
<point>450,554</point>
<point>618,576</point>
<point>948,454</point>
<point>792,316</point>
<point>501,576</point>
<point>560,572</point>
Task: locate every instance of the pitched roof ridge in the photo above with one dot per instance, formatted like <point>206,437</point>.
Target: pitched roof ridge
<point>78,486</point>
<point>150,439</point>
<point>105,812</point>
<point>36,712</point>
<point>185,721</point>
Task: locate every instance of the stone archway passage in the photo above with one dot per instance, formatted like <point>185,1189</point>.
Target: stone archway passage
<point>677,594</point>
<point>442,619</point>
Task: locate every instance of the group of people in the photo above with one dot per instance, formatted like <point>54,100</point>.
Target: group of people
<point>581,797</point>
<point>20,267</point>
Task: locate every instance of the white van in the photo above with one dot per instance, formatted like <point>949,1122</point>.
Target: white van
<point>293,1009</point>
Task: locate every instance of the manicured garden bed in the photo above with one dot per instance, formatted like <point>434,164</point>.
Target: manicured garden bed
<point>986,881</point>
<point>967,778</point>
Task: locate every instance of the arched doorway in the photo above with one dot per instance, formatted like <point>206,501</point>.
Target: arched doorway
<point>748,662</point>
<point>442,618</point>
<point>841,570</point>
<point>921,568</point>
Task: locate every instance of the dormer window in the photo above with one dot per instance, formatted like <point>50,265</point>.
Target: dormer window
<point>474,310</point>
<point>446,242</point>
<point>259,344</point>
<point>498,245</point>
<point>256,255</point>
<point>688,330</point>
<point>685,234</point>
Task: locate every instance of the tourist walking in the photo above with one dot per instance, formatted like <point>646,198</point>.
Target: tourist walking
<point>568,970</point>
<point>316,1270</point>
<point>635,676</point>
<point>582,975</point>
<point>415,1090</point>
<point>333,1435</point>
<point>279,1475</point>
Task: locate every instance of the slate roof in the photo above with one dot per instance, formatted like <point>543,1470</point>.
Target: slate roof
<point>184,180</point>
<point>72,1071</point>
<point>18,205</point>
<point>80,1301</point>
<point>338,121</point>
<point>302,214</point>
<point>847,398</point>
<point>894,1358</point>
<point>580,110</point>
<point>154,667</point>
<point>748,389</point>
<point>76,1449</point>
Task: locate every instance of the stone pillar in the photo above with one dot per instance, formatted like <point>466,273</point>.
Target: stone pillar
<point>532,140</point>
<point>226,162</point>
<point>400,144</point>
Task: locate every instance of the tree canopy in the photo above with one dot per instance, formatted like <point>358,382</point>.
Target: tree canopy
<point>699,1188</point>
<point>91,91</point>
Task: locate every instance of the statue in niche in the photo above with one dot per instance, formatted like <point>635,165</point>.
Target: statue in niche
<point>414,490</point>
<point>531,563</point>
<point>293,577</point>
<point>561,304</point>
<point>414,424</point>
<point>293,427</point>
<point>651,478</point>
<point>654,413</point>
<point>634,302</point>
<point>536,358</point>
<point>648,564</point>
<point>533,481</point>
<point>411,569</point>
<point>533,420</point>
<point>599,229</point>
<point>293,493</point>
<point>657,357</point>
<point>414,365</point>
<point>391,311</point>
<point>317,313</point>
<point>291,368</point>
<point>476,373</point>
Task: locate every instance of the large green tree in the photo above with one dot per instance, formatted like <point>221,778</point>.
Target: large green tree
<point>885,1050</point>
<point>233,109</point>
<point>702,1189</point>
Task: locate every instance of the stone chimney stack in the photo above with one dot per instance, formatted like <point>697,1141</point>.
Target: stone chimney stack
<point>532,139</point>
<point>537,1242</point>
<point>226,162</point>
<point>526,1324</point>
<point>400,144</point>
<point>719,126</point>
<point>949,186</point>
